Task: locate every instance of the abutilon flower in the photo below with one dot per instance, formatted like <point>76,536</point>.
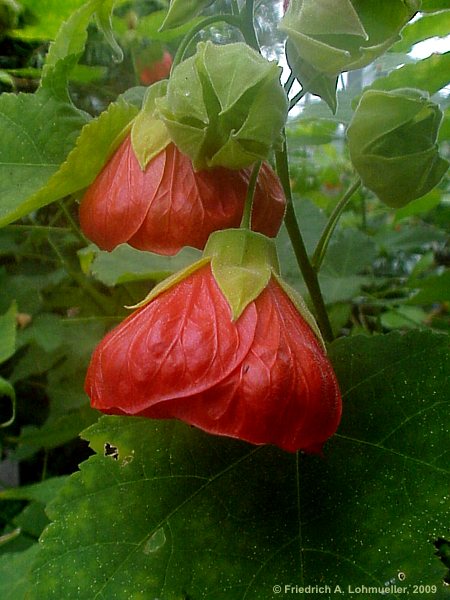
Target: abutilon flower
<point>168,205</point>
<point>262,377</point>
<point>154,71</point>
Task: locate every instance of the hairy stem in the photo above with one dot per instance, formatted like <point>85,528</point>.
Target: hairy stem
<point>322,244</point>
<point>295,235</point>
<point>247,214</point>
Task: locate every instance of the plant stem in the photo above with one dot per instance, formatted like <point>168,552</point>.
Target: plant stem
<point>309,274</point>
<point>324,240</point>
<point>289,83</point>
<point>100,300</point>
<point>230,19</point>
<point>246,216</point>
<point>248,26</point>
<point>73,225</point>
<point>43,228</point>
<point>297,98</point>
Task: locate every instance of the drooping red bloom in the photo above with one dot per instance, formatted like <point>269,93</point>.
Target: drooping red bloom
<point>159,69</point>
<point>169,205</point>
<point>263,378</point>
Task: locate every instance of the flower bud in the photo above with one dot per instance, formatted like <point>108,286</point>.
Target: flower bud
<point>224,106</point>
<point>262,377</point>
<point>392,143</point>
<point>342,35</point>
<point>167,205</point>
<point>152,70</point>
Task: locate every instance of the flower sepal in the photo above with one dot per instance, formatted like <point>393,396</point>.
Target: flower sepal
<point>242,263</point>
<point>216,106</point>
<point>149,135</point>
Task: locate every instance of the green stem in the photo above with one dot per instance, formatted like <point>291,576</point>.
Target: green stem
<point>247,214</point>
<point>230,19</point>
<point>44,228</point>
<point>96,296</point>
<point>324,240</point>
<point>289,83</point>
<point>73,225</point>
<point>309,274</point>
<point>248,26</point>
<point>297,98</point>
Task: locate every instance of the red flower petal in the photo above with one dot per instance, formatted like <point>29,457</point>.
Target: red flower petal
<point>114,206</point>
<point>264,378</point>
<point>169,205</point>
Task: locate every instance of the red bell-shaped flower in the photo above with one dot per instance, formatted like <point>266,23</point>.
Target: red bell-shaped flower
<point>169,205</point>
<point>263,377</point>
<point>156,70</point>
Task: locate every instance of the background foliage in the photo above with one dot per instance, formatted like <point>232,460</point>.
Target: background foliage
<point>158,509</point>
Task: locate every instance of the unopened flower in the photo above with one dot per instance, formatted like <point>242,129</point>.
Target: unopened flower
<point>225,106</point>
<point>255,369</point>
<point>168,205</point>
<point>392,139</point>
<point>342,35</point>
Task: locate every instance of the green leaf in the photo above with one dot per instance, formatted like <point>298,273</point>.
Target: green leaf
<point>37,133</point>
<point>433,5</point>
<point>68,46</point>
<point>42,492</point>
<point>148,519</point>
<point>8,333</point>
<point>39,130</point>
<point>430,74</point>
<point>126,264</point>
<point>68,172</point>
<point>422,29</point>
<point>14,570</point>
<point>311,132</point>
<point>349,255</point>
<point>47,17</point>
<point>435,288</point>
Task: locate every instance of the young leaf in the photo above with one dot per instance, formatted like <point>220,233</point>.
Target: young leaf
<point>160,502</point>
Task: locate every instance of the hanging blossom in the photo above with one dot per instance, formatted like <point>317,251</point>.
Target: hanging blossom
<point>225,346</point>
<point>168,205</point>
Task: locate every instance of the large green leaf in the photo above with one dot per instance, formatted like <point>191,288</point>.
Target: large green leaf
<point>349,256</point>
<point>422,29</point>
<point>47,17</point>
<point>166,511</point>
<point>37,131</point>
<point>14,569</point>
<point>36,134</point>
<point>125,264</point>
<point>430,74</point>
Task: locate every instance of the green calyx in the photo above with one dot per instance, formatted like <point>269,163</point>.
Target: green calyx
<point>217,106</point>
<point>342,35</point>
<point>149,135</point>
<point>392,142</point>
<point>242,263</point>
